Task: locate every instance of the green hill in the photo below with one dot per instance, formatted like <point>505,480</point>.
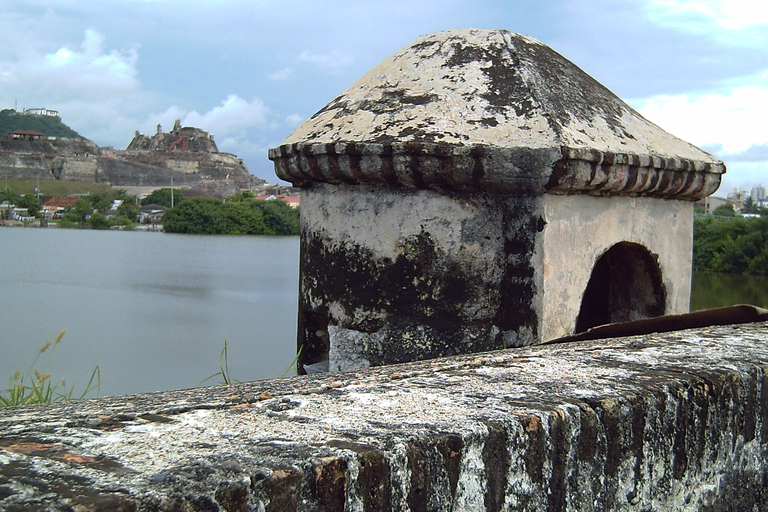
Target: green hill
<point>49,126</point>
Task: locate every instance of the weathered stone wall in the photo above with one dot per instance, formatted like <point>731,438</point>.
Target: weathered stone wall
<point>675,421</point>
<point>579,229</point>
<point>414,274</point>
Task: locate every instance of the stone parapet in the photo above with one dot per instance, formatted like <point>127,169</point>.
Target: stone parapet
<point>675,421</point>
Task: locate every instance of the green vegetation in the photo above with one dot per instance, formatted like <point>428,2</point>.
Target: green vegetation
<point>224,371</point>
<point>89,212</point>
<point>35,386</point>
<point>162,197</point>
<point>239,214</point>
<point>47,125</point>
<point>724,210</point>
<point>730,244</point>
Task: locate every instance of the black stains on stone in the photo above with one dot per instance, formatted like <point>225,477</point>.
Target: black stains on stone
<point>478,170</point>
<point>418,495</point>
<point>403,98</point>
<point>609,414</point>
<point>280,487</point>
<point>556,497</point>
<point>636,444</point>
<point>374,481</point>
<point>233,496</point>
<point>560,171</point>
<point>517,288</point>
<point>535,447</point>
<point>763,379</point>
<point>434,465</point>
<point>567,91</point>
<point>328,484</point>
<point>497,463</point>
<point>415,167</point>
<point>740,491</point>
<point>588,433</point>
<point>506,85</point>
<point>450,447</point>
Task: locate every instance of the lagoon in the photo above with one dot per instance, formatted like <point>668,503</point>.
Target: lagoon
<point>153,310</point>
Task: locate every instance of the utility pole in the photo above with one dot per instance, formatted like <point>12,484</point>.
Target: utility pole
<point>171,191</point>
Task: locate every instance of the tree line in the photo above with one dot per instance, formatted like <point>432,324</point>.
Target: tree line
<point>737,245</point>
<point>239,214</point>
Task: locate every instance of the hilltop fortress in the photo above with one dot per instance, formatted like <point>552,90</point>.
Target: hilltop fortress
<point>187,156</point>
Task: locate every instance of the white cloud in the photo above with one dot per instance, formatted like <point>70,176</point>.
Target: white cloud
<point>734,118</point>
<point>331,62</point>
<point>294,120</point>
<point>90,72</point>
<point>232,116</point>
<point>744,21</point>
<point>283,74</point>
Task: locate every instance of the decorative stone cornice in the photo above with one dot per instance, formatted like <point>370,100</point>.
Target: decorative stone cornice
<point>495,169</point>
<point>494,111</point>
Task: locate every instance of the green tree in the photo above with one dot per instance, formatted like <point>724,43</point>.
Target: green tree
<point>98,221</point>
<point>749,205</point>
<point>100,202</point>
<point>724,210</point>
<point>243,219</point>
<point>244,196</point>
<point>162,196</point>
<point>10,195</point>
<point>280,218</point>
<point>31,203</point>
<point>128,210</point>
<point>198,215</point>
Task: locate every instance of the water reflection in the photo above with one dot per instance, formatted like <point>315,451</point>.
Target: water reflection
<point>718,290</point>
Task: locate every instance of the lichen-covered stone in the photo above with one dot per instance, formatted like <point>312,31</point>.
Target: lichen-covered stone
<point>675,421</point>
<point>490,110</point>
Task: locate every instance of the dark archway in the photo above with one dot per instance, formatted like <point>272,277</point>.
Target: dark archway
<point>625,285</point>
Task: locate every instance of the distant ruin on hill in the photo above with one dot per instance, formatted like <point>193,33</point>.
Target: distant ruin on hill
<point>187,157</point>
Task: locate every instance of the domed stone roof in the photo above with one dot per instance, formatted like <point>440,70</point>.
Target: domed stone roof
<point>496,111</point>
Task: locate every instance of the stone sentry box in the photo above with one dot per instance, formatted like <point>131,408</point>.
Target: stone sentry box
<point>475,191</point>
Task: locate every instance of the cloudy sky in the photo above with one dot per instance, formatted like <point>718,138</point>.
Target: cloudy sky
<point>249,71</point>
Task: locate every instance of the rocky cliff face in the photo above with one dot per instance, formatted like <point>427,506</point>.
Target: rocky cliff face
<point>188,156</point>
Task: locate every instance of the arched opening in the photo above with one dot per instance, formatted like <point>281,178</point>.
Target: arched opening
<point>625,285</point>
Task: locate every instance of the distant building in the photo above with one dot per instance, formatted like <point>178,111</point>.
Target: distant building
<point>758,194</point>
<point>292,201</point>
<point>712,202</point>
<point>737,198</point>
<point>41,112</point>
<point>26,135</point>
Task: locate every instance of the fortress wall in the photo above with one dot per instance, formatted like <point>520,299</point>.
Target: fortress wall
<point>24,166</point>
<point>675,421</point>
<point>83,169</point>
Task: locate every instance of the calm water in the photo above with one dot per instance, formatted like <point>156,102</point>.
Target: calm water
<point>152,310</point>
<point>717,290</point>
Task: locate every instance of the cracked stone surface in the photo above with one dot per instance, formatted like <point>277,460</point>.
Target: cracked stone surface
<point>674,421</point>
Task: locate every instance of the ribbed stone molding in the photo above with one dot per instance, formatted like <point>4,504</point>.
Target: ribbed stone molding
<point>496,170</point>
<point>492,111</point>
